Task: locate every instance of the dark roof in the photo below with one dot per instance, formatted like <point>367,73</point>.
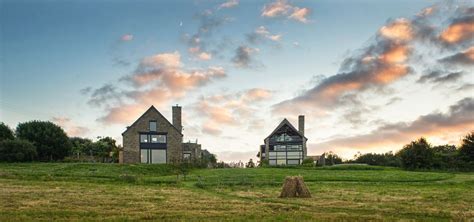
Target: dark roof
<point>285,122</point>
<point>152,108</point>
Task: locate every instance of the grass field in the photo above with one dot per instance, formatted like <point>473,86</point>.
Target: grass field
<point>72,191</point>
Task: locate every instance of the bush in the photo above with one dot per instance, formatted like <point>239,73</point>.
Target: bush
<point>5,132</point>
<point>49,139</point>
<point>308,162</point>
<point>417,155</point>
<point>17,151</point>
<point>374,159</point>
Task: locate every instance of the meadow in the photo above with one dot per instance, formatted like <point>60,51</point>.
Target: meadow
<point>112,192</point>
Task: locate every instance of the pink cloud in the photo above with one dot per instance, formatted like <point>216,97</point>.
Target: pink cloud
<point>127,37</point>
<point>281,8</point>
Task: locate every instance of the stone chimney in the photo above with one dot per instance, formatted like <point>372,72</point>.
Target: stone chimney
<point>177,118</point>
<point>301,124</point>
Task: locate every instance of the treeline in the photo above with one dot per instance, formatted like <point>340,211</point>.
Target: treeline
<point>46,141</point>
<point>420,154</point>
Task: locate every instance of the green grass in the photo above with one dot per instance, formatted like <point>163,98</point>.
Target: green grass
<point>85,192</point>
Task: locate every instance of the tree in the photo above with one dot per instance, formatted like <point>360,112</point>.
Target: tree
<point>50,140</point>
<point>17,151</point>
<point>80,146</point>
<point>250,164</point>
<point>466,151</point>
<point>5,132</point>
<point>332,158</point>
<point>417,155</point>
<point>445,157</point>
<point>107,147</point>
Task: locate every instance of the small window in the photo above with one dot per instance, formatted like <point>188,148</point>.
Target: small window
<point>153,126</point>
<point>143,138</point>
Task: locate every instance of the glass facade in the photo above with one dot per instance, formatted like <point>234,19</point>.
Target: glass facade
<point>153,156</point>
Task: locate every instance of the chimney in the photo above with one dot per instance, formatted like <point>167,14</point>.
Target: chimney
<point>177,117</point>
<point>301,124</point>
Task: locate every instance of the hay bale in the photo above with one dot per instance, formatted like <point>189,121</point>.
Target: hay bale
<point>301,189</point>
<point>289,188</point>
<point>294,187</point>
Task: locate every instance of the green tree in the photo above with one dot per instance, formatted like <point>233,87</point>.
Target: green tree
<point>5,132</point>
<point>17,151</point>
<point>105,148</point>
<point>417,155</point>
<point>466,151</point>
<point>80,146</point>
<point>50,140</point>
<point>445,157</point>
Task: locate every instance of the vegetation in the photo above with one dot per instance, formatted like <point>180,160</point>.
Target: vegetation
<point>17,151</point>
<point>50,191</point>
<point>5,132</point>
<point>50,140</point>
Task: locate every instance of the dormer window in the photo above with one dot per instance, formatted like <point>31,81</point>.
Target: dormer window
<point>153,126</point>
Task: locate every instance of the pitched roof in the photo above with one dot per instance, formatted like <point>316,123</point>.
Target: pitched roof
<point>285,122</point>
<point>152,108</point>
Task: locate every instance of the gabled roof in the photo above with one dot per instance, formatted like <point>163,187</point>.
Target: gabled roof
<point>285,122</point>
<point>152,108</point>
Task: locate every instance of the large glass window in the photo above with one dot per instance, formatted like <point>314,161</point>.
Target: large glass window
<point>153,126</point>
<point>158,156</point>
<point>158,138</point>
<point>143,138</point>
<point>293,162</point>
<point>144,156</point>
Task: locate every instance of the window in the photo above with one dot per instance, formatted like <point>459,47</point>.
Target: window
<point>153,126</point>
<point>280,147</point>
<point>158,138</point>
<point>293,162</point>
<point>144,156</point>
<point>272,162</point>
<point>143,138</point>
<point>186,156</point>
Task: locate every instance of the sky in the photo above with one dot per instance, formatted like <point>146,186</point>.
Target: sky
<point>369,76</point>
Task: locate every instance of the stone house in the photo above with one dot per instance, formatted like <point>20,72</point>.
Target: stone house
<point>191,151</point>
<point>286,145</point>
<point>153,139</point>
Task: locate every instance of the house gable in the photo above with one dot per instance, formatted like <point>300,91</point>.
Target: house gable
<point>152,109</point>
<point>285,124</point>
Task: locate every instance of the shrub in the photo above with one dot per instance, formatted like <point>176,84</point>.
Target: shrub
<point>417,155</point>
<point>374,159</point>
<point>308,162</point>
<point>17,151</point>
<point>49,139</point>
<point>5,132</point>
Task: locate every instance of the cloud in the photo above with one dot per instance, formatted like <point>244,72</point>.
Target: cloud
<point>400,29</point>
<point>397,47</point>
<point>234,109</point>
<point>458,120</point>
<point>126,37</point>
<point>229,4</point>
<point>460,29</point>
<point>157,80</point>
<point>460,58</point>
<point>243,57</point>
<point>281,8</point>
<point>262,33</point>
<point>300,14</point>
<point>201,42</point>
<point>378,66</point>
<point>439,77</point>
<point>106,95</point>
<point>71,129</point>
